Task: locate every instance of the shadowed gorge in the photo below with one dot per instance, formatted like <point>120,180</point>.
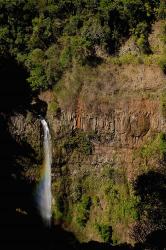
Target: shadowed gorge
<point>151,187</point>
<point>15,93</point>
<point>16,193</point>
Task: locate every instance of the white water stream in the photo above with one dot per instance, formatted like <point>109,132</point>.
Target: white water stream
<point>44,189</point>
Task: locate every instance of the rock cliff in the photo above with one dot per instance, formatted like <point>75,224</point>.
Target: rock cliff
<point>107,125</point>
<point>102,119</point>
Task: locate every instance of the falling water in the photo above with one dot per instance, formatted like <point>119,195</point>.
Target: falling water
<point>44,188</point>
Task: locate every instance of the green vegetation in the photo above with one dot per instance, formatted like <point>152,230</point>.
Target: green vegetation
<point>78,141</point>
<point>151,154</point>
<point>105,232</point>
<point>163,103</point>
<point>58,204</point>
<point>162,61</point>
<point>83,209</point>
<point>67,89</point>
<point>162,9</point>
<point>156,147</point>
<point>53,106</point>
<point>50,36</point>
<point>58,208</point>
<point>122,203</point>
<point>126,59</point>
<point>101,203</point>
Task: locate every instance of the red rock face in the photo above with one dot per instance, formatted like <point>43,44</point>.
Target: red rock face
<point>121,105</point>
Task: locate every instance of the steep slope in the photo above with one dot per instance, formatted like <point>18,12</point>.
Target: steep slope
<point>108,127</point>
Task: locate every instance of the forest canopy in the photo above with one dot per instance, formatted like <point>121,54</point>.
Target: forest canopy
<point>48,36</point>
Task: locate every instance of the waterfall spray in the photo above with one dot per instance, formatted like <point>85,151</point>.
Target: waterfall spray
<point>44,188</point>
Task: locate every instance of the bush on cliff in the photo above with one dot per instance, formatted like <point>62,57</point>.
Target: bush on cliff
<point>83,209</point>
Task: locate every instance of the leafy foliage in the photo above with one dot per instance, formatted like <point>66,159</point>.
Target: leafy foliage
<point>49,36</point>
<point>78,141</point>
<point>105,232</point>
<point>122,204</point>
<point>154,147</point>
<point>83,210</point>
<point>58,208</point>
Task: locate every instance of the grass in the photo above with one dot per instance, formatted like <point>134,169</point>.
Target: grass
<point>83,209</point>
<point>115,192</point>
<point>122,203</point>
<point>151,154</point>
<point>127,58</point>
<point>151,59</point>
<point>155,147</point>
<point>67,89</point>
<point>105,232</point>
<point>57,211</point>
<point>53,106</point>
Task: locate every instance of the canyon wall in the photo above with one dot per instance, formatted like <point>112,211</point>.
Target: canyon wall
<point>102,120</point>
<point>108,126</point>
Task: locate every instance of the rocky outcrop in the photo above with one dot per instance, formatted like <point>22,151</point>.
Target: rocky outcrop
<point>26,129</point>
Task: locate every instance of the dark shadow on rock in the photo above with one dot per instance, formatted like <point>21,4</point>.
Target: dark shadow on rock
<point>94,245</point>
<point>38,107</point>
<point>150,230</point>
<point>156,240</point>
<point>20,223</point>
<point>16,194</point>
<point>151,187</point>
<point>94,61</point>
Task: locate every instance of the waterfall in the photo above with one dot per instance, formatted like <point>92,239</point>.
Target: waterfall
<point>44,188</point>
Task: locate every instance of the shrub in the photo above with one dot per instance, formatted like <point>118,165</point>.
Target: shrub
<point>81,49</point>
<point>37,78</point>
<point>53,106</point>
<point>162,64</point>
<point>162,9</point>
<point>155,147</point>
<point>163,103</point>
<point>83,209</point>
<point>58,208</point>
<point>94,32</point>
<point>65,57</point>
<point>122,202</point>
<point>105,232</point>
<point>141,34</point>
<point>78,141</point>
<point>73,25</point>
